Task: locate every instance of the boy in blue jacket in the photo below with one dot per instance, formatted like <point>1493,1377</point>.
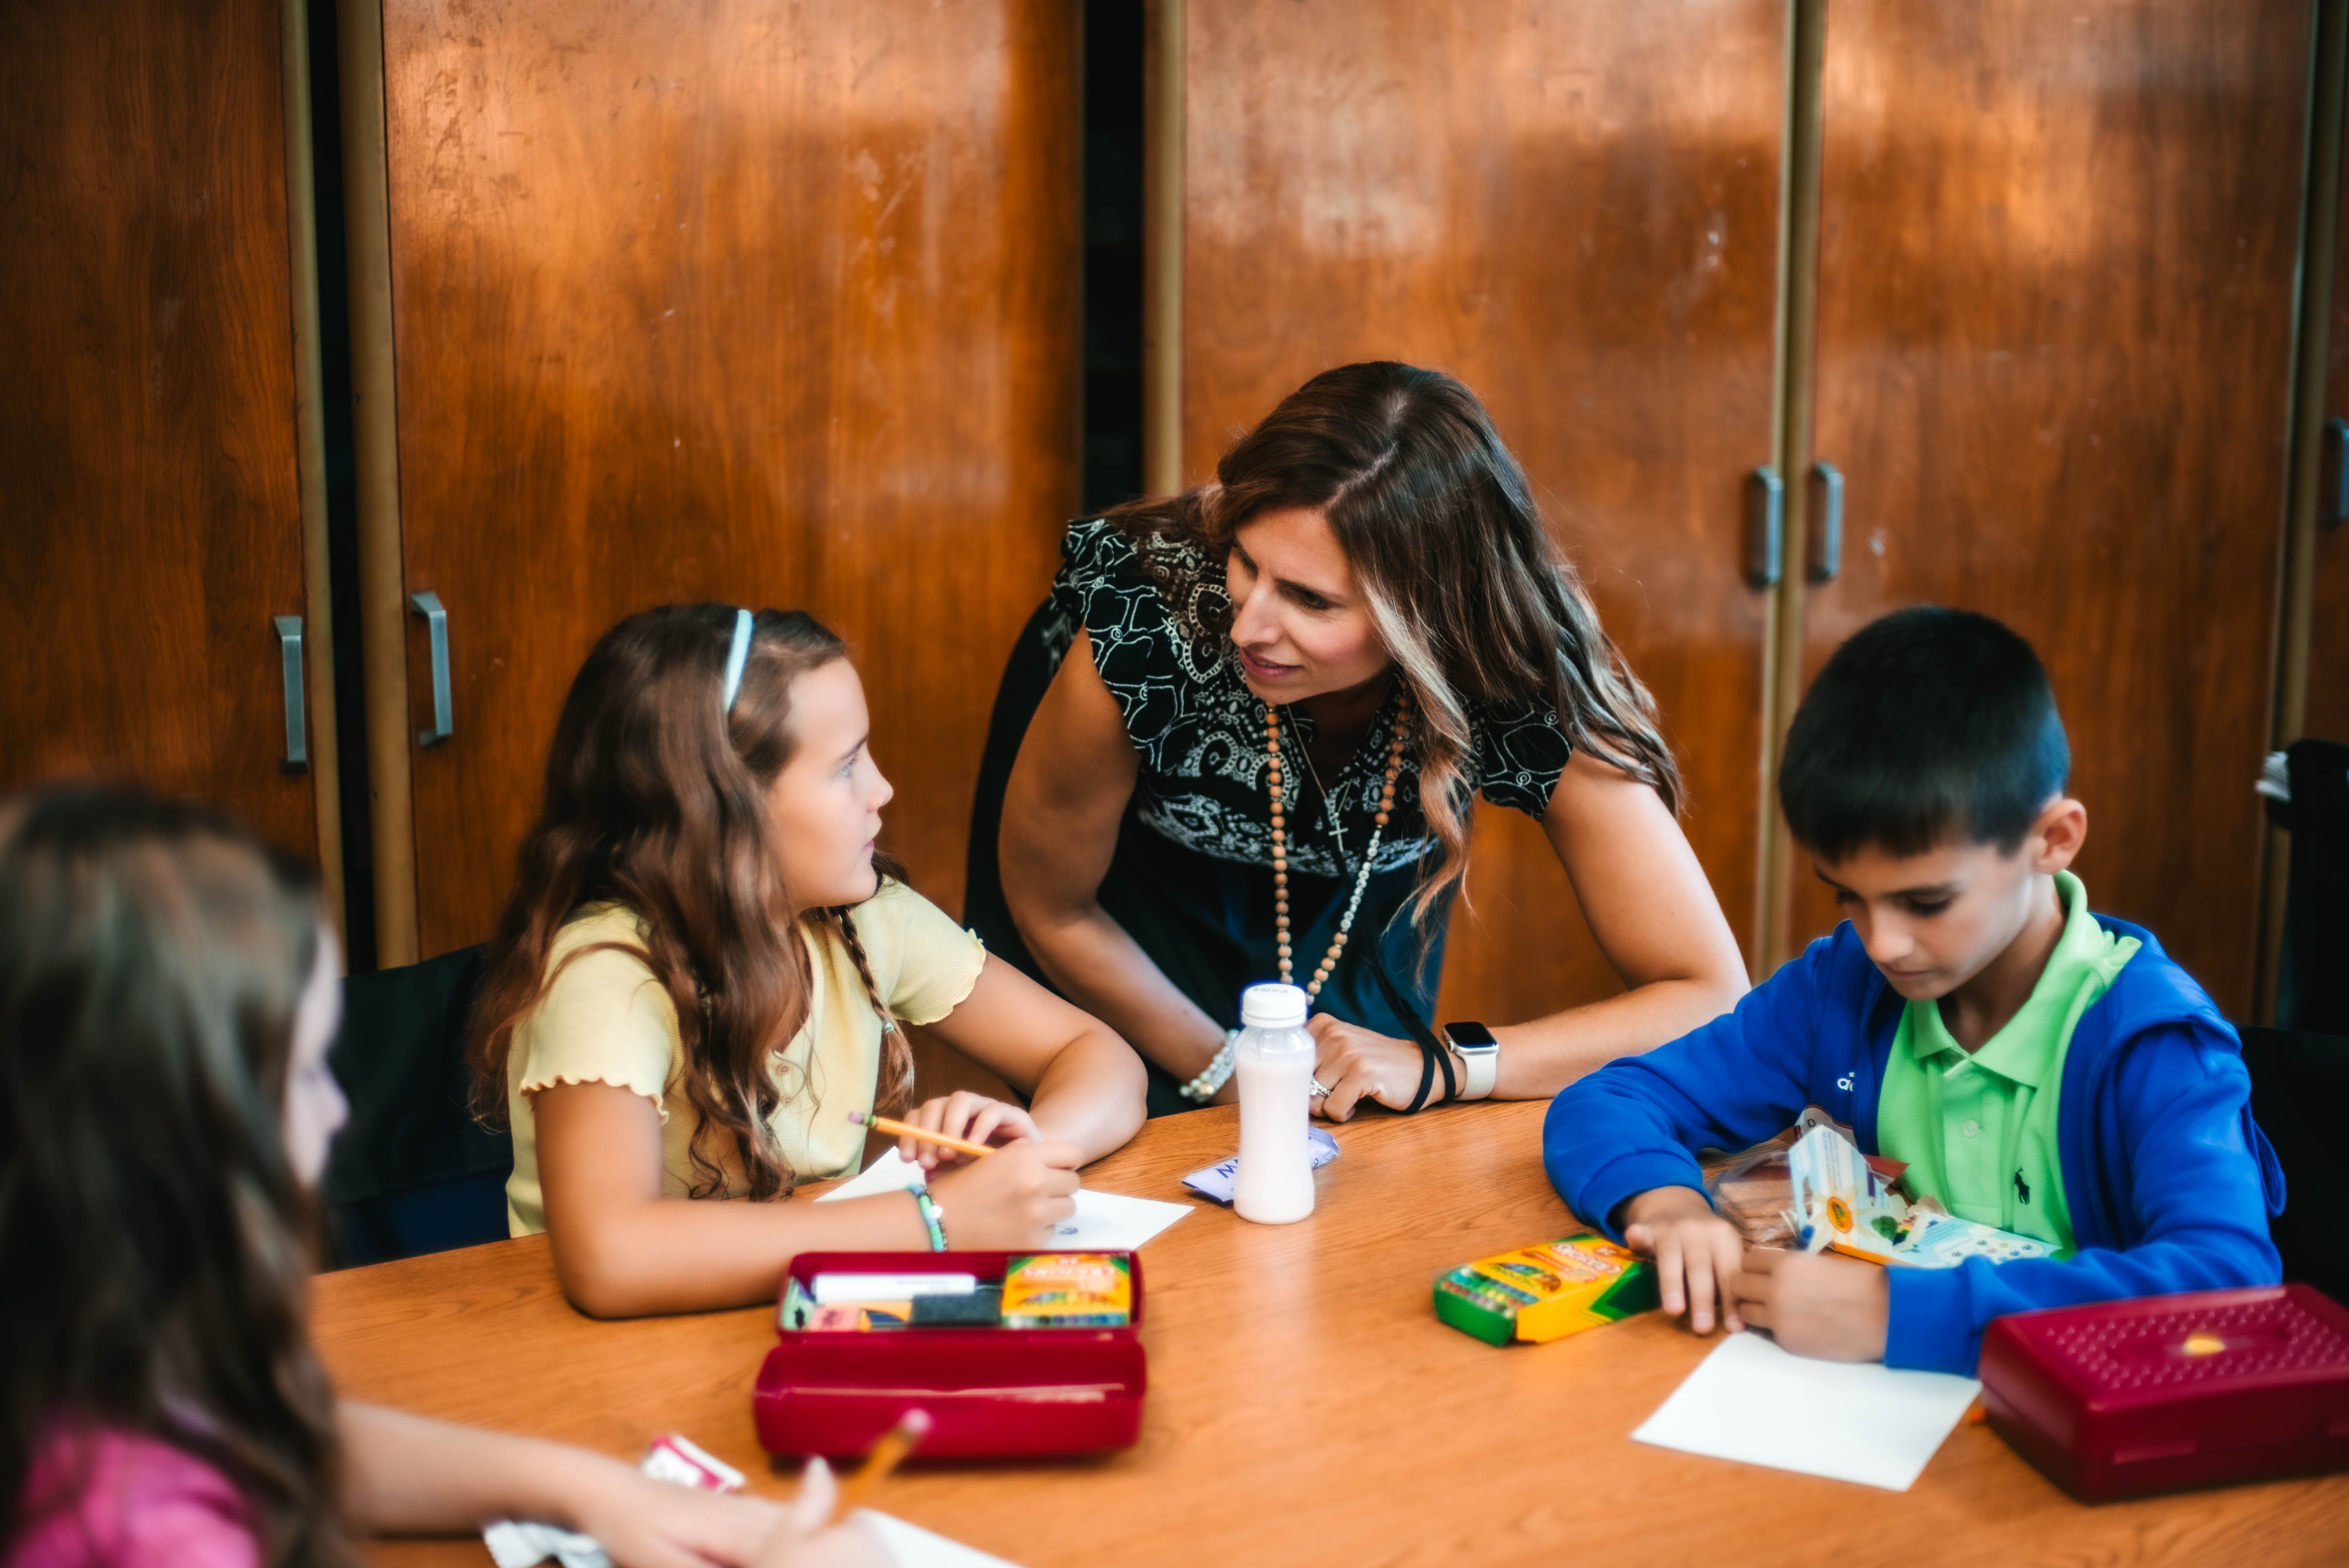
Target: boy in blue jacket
<point>2041,1069</point>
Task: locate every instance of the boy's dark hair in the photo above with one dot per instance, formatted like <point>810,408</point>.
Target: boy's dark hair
<point>1926,724</point>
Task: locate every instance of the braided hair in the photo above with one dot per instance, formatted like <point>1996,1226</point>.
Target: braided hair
<point>895,1089</point>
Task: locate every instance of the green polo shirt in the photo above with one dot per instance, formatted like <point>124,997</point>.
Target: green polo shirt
<point>1978,1129</point>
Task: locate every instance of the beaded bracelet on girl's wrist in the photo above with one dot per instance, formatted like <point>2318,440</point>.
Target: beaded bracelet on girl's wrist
<point>933,1218</point>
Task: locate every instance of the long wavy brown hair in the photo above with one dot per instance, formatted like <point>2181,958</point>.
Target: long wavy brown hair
<point>1475,600</point>
<point>157,1243</point>
<point>655,799</point>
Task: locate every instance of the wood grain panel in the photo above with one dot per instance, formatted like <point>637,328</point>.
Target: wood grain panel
<point>1295,1372</point>
<point>2055,294</point>
<point>148,478</point>
<point>1573,210</point>
<point>775,306</point>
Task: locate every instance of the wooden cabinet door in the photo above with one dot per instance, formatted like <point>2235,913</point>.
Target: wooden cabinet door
<point>1572,208</point>
<point>151,525</point>
<point>2056,274</point>
<point>775,306</point>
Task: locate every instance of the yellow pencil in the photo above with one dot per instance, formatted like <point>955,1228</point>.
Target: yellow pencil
<point>906,1129</point>
<point>894,1446</point>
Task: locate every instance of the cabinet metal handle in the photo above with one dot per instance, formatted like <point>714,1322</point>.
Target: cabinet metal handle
<point>2334,485</point>
<point>297,729</point>
<point>1766,526</point>
<point>436,626</point>
<point>1826,512</point>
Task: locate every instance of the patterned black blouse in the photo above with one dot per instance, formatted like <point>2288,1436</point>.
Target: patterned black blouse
<point>1157,617</point>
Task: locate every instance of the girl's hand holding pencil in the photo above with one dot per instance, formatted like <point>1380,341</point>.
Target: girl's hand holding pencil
<point>964,1126</point>
<point>810,1538</point>
<point>1009,1203</point>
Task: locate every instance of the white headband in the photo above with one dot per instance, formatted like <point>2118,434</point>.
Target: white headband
<point>735,659</point>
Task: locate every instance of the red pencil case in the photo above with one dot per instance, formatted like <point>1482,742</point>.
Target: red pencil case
<point>2124,1398</point>
<point>989,1392</point>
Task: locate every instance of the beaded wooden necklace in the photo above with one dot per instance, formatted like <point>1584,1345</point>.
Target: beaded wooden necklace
<point>1280,841</point>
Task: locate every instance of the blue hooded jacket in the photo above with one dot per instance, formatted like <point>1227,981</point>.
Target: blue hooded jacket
<point>2168,1179</point>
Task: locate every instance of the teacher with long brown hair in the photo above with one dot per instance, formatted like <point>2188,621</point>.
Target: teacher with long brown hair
<point>1240,740</point>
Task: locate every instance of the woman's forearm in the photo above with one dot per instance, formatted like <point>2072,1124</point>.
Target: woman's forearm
<point>1100,968</point>
<point>1542,1056</point>
<point>1092,1095</point>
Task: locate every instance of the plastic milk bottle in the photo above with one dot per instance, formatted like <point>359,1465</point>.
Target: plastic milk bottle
<point>1274,1060</point>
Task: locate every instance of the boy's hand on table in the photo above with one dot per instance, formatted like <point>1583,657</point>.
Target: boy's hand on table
<point>1832,1308</point>
<point>963,1114</point>
<point>1698,1254</point>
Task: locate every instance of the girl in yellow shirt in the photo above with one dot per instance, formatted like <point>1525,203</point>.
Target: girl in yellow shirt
<point>703,972</point>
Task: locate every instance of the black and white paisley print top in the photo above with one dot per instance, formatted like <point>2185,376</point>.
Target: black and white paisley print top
<point>1157,614</point>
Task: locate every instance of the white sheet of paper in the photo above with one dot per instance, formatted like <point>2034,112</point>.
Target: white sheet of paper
<point>1103,1223</point>
<point>915,1547</point>
<point>1750,1400</point>
<point>514,1545</point>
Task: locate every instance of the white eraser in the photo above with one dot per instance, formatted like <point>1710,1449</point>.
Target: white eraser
<point>832,1288</point>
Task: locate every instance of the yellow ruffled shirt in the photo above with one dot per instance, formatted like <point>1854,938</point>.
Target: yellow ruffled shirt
<point>605,1019</point>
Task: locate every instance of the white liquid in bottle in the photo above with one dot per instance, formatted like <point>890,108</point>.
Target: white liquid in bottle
<point>1273,1060</point>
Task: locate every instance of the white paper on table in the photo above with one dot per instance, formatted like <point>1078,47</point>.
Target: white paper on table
<point>516,1545</point>
<point>1103,1223</point>
<point>1865,1422</point>
<point>915,1547</point>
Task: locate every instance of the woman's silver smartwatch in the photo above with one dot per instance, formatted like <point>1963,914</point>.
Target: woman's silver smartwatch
<point>1479,1052</point>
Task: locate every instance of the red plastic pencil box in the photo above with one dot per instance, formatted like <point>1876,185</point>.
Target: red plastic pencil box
<point>989,1392</point>
<point>2123,1397</point>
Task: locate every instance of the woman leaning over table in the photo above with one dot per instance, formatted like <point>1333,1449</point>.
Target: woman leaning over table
<point>1240,740</point>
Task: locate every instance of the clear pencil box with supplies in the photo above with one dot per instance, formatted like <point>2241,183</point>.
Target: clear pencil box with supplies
<point>1009,1353</point>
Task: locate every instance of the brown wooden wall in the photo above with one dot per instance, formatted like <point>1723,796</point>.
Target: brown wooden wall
<point>2057,276</point>
<point>149,503</point>
<point>774,306</point>
<point>1573,211</point>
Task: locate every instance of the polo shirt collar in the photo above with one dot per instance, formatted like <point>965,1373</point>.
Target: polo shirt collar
<point>2031,1045</point>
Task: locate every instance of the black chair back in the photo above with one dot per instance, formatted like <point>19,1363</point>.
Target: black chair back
<point>2300,1093</point>
<point>412,1171</point>
<point>2313,988</point>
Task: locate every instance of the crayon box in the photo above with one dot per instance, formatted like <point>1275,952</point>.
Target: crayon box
<point>1546,1291</point>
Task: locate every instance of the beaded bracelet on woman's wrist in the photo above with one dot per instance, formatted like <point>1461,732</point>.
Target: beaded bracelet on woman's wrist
<point>1200,1089</point>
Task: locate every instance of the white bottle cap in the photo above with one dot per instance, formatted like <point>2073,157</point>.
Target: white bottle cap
<point>1273,1006</point>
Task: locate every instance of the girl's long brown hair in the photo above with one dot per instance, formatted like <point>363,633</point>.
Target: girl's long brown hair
<point>157,1240</point>
<point>655,799</point>
<point>1473,599</point>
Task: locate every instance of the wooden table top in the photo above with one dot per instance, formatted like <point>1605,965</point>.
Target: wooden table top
<point>1305,1405</point>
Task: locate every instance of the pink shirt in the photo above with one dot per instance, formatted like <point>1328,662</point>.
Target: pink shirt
<point>101,1497</point>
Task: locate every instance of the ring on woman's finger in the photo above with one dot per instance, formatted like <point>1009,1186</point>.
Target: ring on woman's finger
<point>1321,1090</point>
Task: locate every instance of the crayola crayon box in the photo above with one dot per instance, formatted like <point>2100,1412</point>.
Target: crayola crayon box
<point>1068,1290</point>
<point>1546,1291</point>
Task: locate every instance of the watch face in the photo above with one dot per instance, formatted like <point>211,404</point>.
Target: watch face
<point>1469,1036</point>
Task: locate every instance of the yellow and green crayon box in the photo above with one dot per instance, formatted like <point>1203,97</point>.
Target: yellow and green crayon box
<point>1546,1291</point>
